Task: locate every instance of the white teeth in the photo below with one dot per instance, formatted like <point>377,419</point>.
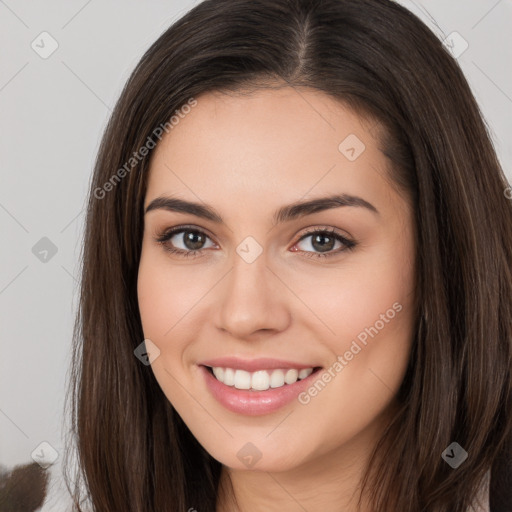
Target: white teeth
<point>219,373</point>
<point>242,379</point>
<point>305,372</point>
<point>229,377</point>
<point>277,379</point>
<point>291,376</point>
<point>260,380</point>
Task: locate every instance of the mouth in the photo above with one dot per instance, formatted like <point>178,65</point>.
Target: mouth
<point>260,380</point>
<point>259,392</point>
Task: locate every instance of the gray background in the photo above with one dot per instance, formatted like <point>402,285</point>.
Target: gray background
<point>53,112</point>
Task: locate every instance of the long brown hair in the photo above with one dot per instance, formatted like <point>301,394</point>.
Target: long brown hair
<point>134,452</point>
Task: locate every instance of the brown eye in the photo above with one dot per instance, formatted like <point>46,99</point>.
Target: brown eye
<point>193,240</point>
<point>184,241</point>
<point>323,242</point>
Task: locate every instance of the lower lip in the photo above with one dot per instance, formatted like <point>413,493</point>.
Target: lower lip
<point>255,403</point>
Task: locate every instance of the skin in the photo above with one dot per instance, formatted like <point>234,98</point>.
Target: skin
<point>247,156</point>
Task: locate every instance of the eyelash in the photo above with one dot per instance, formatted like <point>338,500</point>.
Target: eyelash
<point>167,235</point>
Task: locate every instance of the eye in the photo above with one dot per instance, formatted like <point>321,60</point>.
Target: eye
<point>324,240</point>
<point>193,240</point>
<point>190,239</point>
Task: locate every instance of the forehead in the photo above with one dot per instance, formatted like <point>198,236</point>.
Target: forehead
<point>267,146</point>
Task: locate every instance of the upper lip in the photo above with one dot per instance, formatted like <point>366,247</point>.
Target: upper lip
<point>252,365</point>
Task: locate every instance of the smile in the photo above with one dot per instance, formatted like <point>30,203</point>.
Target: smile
<point>260,380</point>
<point>258,392</point>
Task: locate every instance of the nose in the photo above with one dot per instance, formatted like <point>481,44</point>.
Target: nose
<point>252,300</point>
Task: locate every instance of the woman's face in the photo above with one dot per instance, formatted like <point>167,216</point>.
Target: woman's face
<point>266,292</point>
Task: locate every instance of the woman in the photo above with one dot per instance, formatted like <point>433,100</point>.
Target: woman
<point>296,274</point>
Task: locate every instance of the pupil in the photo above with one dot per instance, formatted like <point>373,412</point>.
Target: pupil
<point>191,242</point>
<point>324,247</point>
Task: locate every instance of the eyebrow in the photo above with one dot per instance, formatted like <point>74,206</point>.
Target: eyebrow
<point>283,214</point>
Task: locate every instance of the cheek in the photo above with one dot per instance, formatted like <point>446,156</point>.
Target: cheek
<point>371,314</point>
<point>368,308</point>
<point>167,294</point>
<point>374,290</point>
<point>166,297</point>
